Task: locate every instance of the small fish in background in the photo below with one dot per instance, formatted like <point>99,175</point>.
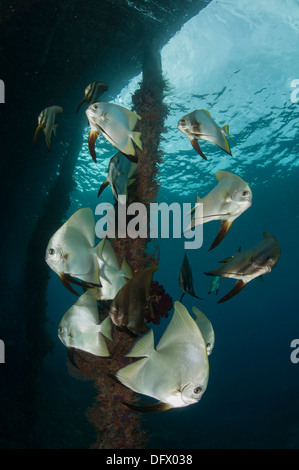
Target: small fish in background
<point>206,329</point>
<point>176,372</point>
<point>80,328</point>
<point>46,123</point>
<point>71,252</point>
<point>92,93</point>
<point>248,265</point>
<point>199,125</point>
<point>215,284</point>
<point>228,200</point>
<point>186,279</point>
<point>120,172</point>
<point>112,277</point>
<point>116,124</point>
<point>127,310</point>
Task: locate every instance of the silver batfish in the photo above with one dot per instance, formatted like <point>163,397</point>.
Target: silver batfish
<point>176,371</point>
<point>46,123</point>
<point>199,125</point>
<point>227,201</point>
<point>116,124</point>
<point>250,264</point>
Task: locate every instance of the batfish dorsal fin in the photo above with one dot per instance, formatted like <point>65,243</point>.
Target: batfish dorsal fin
<point>143,345</point>
<point>83,221</point>
<point>235,290</point>
<point>181,324</point>
<point>223,174</point>
<point>206,112</point>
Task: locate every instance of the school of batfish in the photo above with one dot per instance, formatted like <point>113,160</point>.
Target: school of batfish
<point>175,372</point>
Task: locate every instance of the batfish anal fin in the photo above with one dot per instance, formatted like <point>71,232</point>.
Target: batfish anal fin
<point>132,158</point>
<point>103,186</point>
<point>66,284</point>
<point>156,407</point>
<point>80,104</point>
<point>197,148</point>
<point>38,129</point>
<point>235,290</point>
<point>224,228</point>
<point>93,135</point>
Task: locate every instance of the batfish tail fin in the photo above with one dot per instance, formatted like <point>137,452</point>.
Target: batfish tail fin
<point>235,290</point>
<point>136,137</point>
<point>224,228</point>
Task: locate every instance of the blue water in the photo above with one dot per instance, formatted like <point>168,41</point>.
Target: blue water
<point>238,60</point>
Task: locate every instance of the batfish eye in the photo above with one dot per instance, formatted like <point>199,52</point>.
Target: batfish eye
<point>95,106</point>
<point>245,193</point>
<point>51,251</point>
<point>197,390</point>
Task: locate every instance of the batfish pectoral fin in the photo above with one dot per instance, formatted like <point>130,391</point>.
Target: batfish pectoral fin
<point>38,129</point>
<point>93,135</point>
<point>197,148</point>
<point>65,281</point>
<point>224,228</point>
<point>156,407</point>
<point>103,186</point>
<point>235,290</point>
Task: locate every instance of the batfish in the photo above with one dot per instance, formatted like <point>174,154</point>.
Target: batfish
<point>249,264</point>
<point>92,93</point>
<point>176,371</point>
<point>71,252</point>
<point>186,280</point>
<point>112,277</point>
<point>206,329</point>
<point>127,310</point>
<point>227,201</point>
<point>116,124</point>
<point>120,172</point>
<point>46,123</point>
<point>199,125</point>
<point>79,327</point>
